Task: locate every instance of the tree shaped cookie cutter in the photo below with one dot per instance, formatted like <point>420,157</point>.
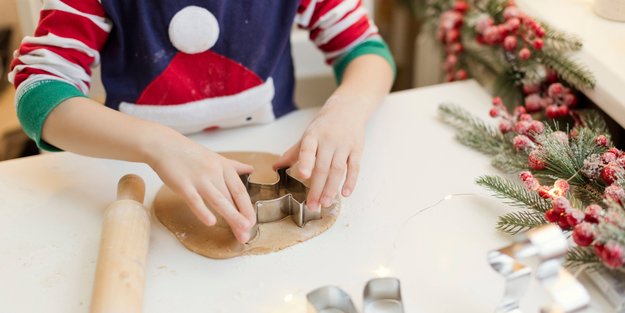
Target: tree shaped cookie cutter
<point>546,247</point>
<point>282,198</point>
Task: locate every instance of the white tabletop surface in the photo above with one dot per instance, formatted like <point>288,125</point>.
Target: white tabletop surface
<point>51,209</point>
<point>603,52</point>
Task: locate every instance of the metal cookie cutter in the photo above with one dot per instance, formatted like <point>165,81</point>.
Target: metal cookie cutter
<point>546,246</point>
<point>381,295</point>
<point>284,197</point>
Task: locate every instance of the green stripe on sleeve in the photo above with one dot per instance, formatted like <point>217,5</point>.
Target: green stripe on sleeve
<point>372,46</point>
<point>36,101</point>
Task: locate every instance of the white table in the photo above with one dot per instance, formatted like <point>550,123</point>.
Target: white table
<point>51,208</point>
<point>603,52</point>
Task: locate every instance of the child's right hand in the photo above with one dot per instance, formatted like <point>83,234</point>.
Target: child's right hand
<point>201,177</point>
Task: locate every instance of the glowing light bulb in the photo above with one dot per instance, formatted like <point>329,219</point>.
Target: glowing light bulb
<point>288,298</point>
<point>382,271</point>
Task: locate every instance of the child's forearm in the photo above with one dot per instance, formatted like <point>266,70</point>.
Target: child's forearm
<point>82,126</point>
<point>367,80</point>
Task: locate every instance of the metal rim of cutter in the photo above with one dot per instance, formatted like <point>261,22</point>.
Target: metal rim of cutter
<point>282,198</point>
<point>380,295</point>
<point>547,247</point>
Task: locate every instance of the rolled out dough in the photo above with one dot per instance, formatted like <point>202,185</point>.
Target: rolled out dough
<point>218,242</point>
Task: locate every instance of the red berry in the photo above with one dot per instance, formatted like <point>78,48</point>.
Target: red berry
<point>544,192</point>
<point>461,6</point>
<point>552,111</point>
<point>540,32</point>
<point>552,76</point>
<point>519,110</point>
<point>452,36</point>
<point>593,212</point>
<point>583,234</point>
<point>574,217</point>
<point>614,193</point>
<point>564,223</point>
<point>538,44</point>
<point>510,43</point>
<point>497,101</point>
<point>522,142</point>
<point>461,74</point>
<point>492,35</point>
<point>621,161</point>
<point>457,47</point>
<point>535,161</point>
<point>551,216</point>
<point>513,24</point>
<point>616,151</point>
<point>561,205</point>
<point>533,102</point>
<point>608,157</point>
<point>611,254</point>
<point>609,173</point>
<point>562,187</point>
<point>531,88</point>
<point>494,112</point>
<point>555,89</point>
<point>537,127</point>
<point>505,126</point>
<point>525,175</point>
<point>563,110</point>
<point>511,12</point>
<point>602,141</point>
<point>522,127</point>
<point>570,100</point>
<point>561,136</point>
<point>525,54</point>
<point>525,117</point>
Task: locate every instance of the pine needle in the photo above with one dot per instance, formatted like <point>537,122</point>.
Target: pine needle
<point>510,162</point>
<point>574,74</point>
<point>514,194</point>
<point>559,42</point>
<point>515,222</point>
<point>579,256</point>
<point>472,131</point>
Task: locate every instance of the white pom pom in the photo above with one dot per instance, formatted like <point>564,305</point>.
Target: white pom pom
<point>193,30</point>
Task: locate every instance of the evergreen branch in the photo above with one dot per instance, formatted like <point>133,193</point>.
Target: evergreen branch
<point>573,73</point>
<point>578,256</point>
<point>472,131</point>
<point>515,222</point>
<point>592,119</point>
<point>514,194</point>
<point>509,162</point>
<point>488,64</point>
<point>559,42</point>
<point>588,194</point>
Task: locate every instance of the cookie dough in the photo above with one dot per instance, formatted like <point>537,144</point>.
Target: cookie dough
<point>218,242</point>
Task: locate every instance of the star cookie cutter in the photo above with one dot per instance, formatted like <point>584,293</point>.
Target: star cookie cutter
<point>545,247</point>
<point>282,198</point>
<point>381,295</point>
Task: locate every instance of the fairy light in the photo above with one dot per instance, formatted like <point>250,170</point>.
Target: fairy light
<point>288,298</point>
<point>382,271</point>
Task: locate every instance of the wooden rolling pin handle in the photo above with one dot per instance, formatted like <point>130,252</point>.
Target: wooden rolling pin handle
<point>131,187</point>
<point>120,271</point>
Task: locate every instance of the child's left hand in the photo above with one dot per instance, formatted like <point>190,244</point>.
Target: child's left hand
<point>331,145</point>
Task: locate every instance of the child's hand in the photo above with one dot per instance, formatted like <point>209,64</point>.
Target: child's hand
<point>331,145</point>
<point>202,176</point>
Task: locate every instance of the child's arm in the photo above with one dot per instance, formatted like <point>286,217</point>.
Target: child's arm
<point>333,142</point>
<point>51,72</point>
<point>332,145</point>
<point>197,174</point>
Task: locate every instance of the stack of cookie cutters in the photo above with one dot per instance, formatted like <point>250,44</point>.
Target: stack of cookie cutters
<point>282,198</point>
<point>544,248</point>
<point>381,295</point>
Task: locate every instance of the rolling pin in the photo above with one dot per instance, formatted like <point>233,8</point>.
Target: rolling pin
<point>120,271</point>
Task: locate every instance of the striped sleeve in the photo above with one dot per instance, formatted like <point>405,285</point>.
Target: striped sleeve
<point>342,30</point>
<point>55,63</point>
